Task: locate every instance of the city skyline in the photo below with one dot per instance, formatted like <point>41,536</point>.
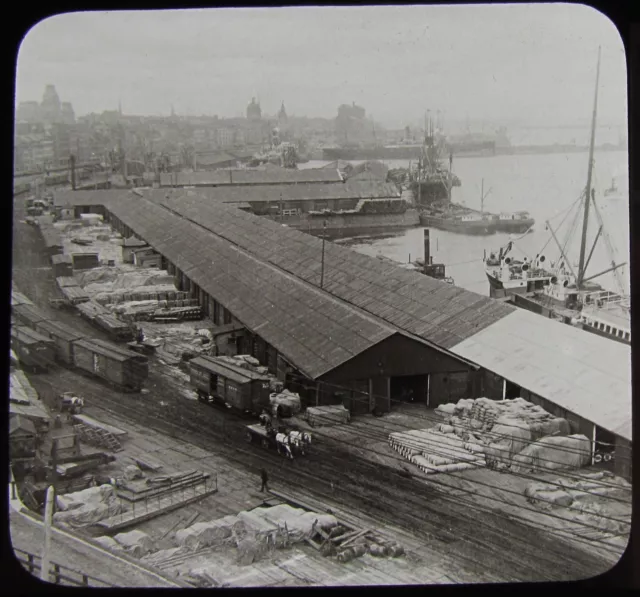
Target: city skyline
<point>372,60</point>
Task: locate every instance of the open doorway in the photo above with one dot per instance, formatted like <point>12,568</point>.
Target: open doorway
<point>409,389</point>
<point>511,390</point>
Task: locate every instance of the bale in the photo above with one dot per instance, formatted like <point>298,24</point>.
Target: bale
<point>109,543</point>
<point>132,472</point>
<point>135,543</point>
<point>445,428</point>
<point>557,498</point>
<point>554,453</point>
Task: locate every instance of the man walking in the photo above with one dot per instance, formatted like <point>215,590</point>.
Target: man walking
<point>265,480</point>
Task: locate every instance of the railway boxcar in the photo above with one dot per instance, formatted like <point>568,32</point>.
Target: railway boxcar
<point>62,265</point>
<point>117,329</point>
<point>221,382</point>
<point>62,336</point>
<point>123,368</point>
<point>17,298</point>
<point>32,349</point>
<point>28,315</point>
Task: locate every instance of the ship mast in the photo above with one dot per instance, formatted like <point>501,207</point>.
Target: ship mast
<point>587,201</point>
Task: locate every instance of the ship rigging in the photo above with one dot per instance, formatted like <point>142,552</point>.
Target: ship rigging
<point>557,289</point>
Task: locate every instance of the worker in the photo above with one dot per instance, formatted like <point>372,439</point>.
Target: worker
<point>265,480</point>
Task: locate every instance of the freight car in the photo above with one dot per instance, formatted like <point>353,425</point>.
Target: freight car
<point>123,368</point>
<point>118,330</point>
<point>63,338</point>
<point>28,315</point>
<point>32,349</point>
<point>218,382</point>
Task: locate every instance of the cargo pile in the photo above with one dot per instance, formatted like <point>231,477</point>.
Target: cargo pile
<point>289,400</point>
<point>86,507</point>
<point>500,434</point>
<point>91,235</point>
<point>323,416</point>
<point>597,499</point>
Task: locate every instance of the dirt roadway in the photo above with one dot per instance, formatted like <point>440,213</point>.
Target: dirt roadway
<point>479,546</point>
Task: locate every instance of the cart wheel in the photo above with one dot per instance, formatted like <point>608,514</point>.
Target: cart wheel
<point>607,457</point>
<point>248,437</point>
<point>265,444</point>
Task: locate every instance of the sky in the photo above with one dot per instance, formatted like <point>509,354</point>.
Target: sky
<point>499,63</point>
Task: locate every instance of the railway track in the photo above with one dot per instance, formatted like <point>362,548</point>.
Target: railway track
<point>488,546</point>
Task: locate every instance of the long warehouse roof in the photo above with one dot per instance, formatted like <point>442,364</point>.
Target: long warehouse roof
<point>581,372</point>
<point>588,375</point>
<point>538,354</point>
<point>316,334</point>
<point>430,309</point>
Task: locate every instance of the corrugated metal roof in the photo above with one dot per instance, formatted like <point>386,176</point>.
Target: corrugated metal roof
<point>430,309</point>
<point>250,177</point>
<point>311,330</point>
<point>587,375</point>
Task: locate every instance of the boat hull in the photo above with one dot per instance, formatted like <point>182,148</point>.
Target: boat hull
<point>484,228</point>
<point>514,226</point>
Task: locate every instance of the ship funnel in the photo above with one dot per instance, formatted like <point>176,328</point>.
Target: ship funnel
<point>427,247</point>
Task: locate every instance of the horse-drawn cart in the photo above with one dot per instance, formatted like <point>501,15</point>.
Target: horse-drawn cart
<point>288,443</point>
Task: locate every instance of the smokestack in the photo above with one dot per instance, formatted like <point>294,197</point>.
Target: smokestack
<point>72,164</point>
<point>427,248</point>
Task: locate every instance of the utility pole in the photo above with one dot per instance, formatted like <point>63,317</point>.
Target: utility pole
<point>324,230</point>
<point>48,521</point>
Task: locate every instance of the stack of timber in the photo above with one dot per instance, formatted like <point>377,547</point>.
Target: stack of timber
<point>66,282</point>
<point>177,314</point>
<point>91,309</point>
<point>144,310</point>
<point>126,296</point>
<point>140,489</point>
<point>75,295</point>
<point>433,451</point>
<point>117,329</point>
<point>322,416</point>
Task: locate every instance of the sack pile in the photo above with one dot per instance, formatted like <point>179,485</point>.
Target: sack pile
<point>135,543</point>
<point>88,506</point>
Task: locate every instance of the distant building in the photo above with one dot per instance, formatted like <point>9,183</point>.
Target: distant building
<point>282,116</point>
<point>51,108</point>
<point>351,127</point>
<point>253,110</point>
<point>67,114</point>
<point>29,112</point>
<point>49,111</point>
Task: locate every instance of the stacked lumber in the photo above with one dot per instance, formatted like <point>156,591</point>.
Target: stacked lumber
<point>66,282</point>
<point>137,490</point>
<point>127,296</point>
<point>90,310</point>
<point>433,451</point>
<point>320,416</point>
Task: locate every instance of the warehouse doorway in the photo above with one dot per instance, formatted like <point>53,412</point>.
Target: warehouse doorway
<point>409,389</point>
<point>448,387</point>
<point>511,390</point>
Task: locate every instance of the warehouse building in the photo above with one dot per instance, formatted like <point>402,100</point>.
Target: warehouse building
<point>367,332</point>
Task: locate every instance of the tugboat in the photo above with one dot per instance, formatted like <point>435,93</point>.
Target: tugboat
<point>555,289</point>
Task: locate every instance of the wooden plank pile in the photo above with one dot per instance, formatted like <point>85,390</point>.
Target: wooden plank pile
<point>347,544</point>
<point>91,309</point>
<point>153,487</point>
<point>319,416</point>
<point>433,451</point>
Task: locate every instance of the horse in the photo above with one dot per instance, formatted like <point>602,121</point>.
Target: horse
<point>283,443</point>
<point>301,440</point>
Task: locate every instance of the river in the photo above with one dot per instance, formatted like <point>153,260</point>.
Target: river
<point>546,185</point>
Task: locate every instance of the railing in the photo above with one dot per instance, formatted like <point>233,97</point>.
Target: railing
<point>58,574</point>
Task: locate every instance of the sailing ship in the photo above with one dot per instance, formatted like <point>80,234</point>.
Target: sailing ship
<point>556,289</point>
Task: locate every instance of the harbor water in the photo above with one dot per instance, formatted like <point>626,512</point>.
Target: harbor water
<point>545,185</point>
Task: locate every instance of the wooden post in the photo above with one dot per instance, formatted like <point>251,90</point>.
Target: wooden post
<point>44,568</point>
<point>56,572</point>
